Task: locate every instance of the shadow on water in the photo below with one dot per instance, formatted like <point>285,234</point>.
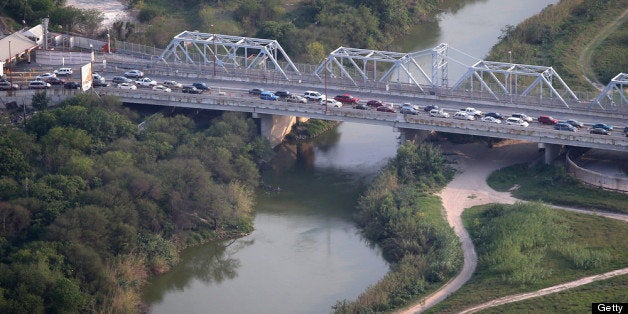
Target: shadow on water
<point>210,263</point>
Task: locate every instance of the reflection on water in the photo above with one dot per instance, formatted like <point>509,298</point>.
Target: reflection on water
<point>209,264</point>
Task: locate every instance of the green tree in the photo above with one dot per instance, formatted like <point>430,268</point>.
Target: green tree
<point>316,52</point>
<point>40,101</point>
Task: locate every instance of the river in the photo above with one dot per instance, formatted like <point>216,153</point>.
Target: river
<point>305,253</point>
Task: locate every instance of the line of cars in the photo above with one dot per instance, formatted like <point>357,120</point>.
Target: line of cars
<point>574,125</point>
<point>44,81</point>
<point>133,79</point>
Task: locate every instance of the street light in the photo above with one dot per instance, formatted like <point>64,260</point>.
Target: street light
<point>108,42</point>
<point>215,51</point>
<point>326,101</point>
<point>510,74</point>
<point>10,66</point>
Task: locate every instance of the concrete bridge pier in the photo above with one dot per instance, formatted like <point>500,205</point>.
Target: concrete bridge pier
<point>551,151</point>
<point>413,135</point>
<point>275,127</point>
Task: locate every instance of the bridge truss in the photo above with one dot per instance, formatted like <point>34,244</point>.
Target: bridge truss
<point>227,51</point>
<point>614,93</point>
<point>507,81</point>
<point>365,66</point>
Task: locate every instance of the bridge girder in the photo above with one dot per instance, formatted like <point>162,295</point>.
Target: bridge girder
<point>235,51</point>
<point>503,81</point>
<point>399,67</point>
<point>614,93</point>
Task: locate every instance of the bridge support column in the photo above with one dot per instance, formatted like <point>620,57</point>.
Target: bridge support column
<point>413,135</point>
<point>274,127</point>
<point>551,152</point>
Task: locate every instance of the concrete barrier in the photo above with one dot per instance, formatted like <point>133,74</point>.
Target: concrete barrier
<point>597,179</point>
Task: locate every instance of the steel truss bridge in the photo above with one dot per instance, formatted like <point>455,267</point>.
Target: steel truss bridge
<point>424,72</point>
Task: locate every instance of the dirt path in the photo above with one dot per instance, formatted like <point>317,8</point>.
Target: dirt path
<point>549,290</point>
<point>469,188</point>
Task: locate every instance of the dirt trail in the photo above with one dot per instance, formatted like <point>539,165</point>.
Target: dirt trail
<point>549,290</point>
<point>475,163</point>
<point>469,188</point>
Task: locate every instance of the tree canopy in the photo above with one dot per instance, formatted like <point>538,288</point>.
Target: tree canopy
<point>83,191</point>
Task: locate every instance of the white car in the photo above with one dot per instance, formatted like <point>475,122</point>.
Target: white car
<point>439,113</point>
<point>134,73</point>
<point>162,88</point>
<point>462,115</point>
<point>64,71</point>
<point>127,86</point>
<point>146,82</point>
<point>43,77</point>
<point>522,116</point>
<point>409,105</point>
<point>173,84</point>
<point>491,120</point>
<point>472,111</point>
<point>331,103</point>
<point>516,121</point>
<point>313,95</point>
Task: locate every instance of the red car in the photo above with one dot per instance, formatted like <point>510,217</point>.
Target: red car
<point>386,109</point>
<point>347,99</point>
<point>374,103</point>
<point>547,120</point>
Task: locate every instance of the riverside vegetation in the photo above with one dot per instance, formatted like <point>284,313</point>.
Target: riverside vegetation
<point>560,33</point>
<point>529,246</point>
<point>91,206</point>
<point>400,212</point>
<point>552,184</point>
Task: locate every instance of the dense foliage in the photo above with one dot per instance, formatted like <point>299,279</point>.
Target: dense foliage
<point>90,205</point>
<point>554,185</point>
<point>304,131</point>
<point>62,18</point>
<point>399,212</point>
<point>560,33</point>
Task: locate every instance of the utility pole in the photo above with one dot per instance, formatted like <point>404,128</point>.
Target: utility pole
<point>215,51</point>
<point>10,66</point>
<point>108,41</point>
<point>326,101</point>
<point>510,74</point>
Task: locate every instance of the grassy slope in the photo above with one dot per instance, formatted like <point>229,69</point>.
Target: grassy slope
<point>552,185</point>
<point>593,232</point>
<point>577,300</point>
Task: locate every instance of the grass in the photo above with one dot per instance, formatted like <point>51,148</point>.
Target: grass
<point>552,184</point>
<point>589,233</point>
<point>576,300</point>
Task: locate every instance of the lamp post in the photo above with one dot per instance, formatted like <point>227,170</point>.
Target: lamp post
<point>326,101</point>
<point>108,42</point>
<point>10,66</point>
<point>215,51</point>
<point>510,74</point>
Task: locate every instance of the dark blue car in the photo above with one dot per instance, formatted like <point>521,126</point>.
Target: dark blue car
<point>602,126</point>
<point>268,96</point>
